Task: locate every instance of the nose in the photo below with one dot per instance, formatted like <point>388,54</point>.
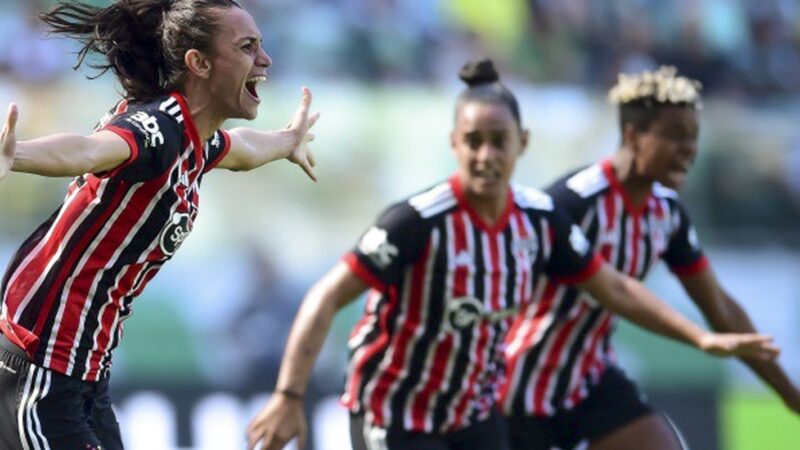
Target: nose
<point>486,152</point>
<point>263,59</point>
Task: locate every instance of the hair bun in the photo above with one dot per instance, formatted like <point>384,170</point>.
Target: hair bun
<point>478,72</point>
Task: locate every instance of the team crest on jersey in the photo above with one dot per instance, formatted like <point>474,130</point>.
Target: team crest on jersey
<point>462,313</point>
<point>375,244</point>
<point>578,241</point>
<point>173,235</point>
<point>465,312</point>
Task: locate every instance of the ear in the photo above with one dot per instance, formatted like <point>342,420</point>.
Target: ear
<point>198,63</point>
<point>453,139</point>
<point>523,140</point>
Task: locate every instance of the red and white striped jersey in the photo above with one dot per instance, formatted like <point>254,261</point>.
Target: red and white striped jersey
<point>70,285</point>
<point>427,353</point>
<point>559,345</point>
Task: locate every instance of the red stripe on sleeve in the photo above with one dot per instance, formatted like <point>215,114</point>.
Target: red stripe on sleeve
<point>127,135</point>
<point>362,272</point>
<point>593,267</point>
<point>692,269</point>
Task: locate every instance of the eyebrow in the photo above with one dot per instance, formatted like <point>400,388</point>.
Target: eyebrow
<point>255,39</point>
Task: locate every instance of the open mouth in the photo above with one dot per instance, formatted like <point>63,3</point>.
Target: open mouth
<point>250,86</point>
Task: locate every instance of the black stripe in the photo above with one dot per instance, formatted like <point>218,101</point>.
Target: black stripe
<point>138,245</point>
<point>32,312</point>
<point>562,383</point>
<point>435,311</point>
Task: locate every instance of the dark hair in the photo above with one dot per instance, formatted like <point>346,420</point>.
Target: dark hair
<point>143,41</point>
<point>483,85</point>
<point>643,112</point>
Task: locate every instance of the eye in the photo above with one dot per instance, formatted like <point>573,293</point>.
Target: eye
<point>473,141</point>
<point>499,141</point>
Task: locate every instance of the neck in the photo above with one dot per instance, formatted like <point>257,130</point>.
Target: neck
<point>205,118</point>
<point>489,209</point>
<point>637,187</point>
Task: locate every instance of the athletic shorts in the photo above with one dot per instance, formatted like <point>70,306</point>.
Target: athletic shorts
<point>41,409</point>
<point>613,403</point>
<point>490,434</point>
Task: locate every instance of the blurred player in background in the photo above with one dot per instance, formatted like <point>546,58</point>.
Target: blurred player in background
<point>185,67</point>
<point>447,269</point>
<point>563,385</point>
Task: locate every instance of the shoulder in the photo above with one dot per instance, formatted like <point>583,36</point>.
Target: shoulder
<point>585,182</point>
<point>431,202</point>
<point>530,198</point>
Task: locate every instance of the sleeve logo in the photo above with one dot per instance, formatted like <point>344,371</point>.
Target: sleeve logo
<point>376,245</point>
<point>149,125</point>
<point>578,241</point>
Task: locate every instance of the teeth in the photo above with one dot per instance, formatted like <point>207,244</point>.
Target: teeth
<point>258,79</point>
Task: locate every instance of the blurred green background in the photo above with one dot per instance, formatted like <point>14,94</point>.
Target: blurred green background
<point>209,331</point>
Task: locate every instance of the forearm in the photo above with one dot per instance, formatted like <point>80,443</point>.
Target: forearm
<point>306,338</point>
<point>631,300</point>
<point>251,148</point>
<point>53,156</point>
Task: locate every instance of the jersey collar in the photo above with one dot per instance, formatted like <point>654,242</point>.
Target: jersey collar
<point>500,225</point>
<point>634,210</point>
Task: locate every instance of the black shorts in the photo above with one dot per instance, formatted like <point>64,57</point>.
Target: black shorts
<point>613,403</point>
<point>490,434</point>
<point>42,409</point>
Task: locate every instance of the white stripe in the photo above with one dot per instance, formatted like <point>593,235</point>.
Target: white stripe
<point>684,445</point>
<point>544,353</point>
<point>37,423</point>
<point>588,181</point>
<point>82,262</point>
<point>146,214</point>
<point>438,208</point>
<point>30,407</point>
<point>23,401</point>
<point>86,256</point>
<point>36,250</point>
<point>431,196</point>
<point>167,103</point>
<point>175,110</point>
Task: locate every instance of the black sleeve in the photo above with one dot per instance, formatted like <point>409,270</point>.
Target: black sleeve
<point>684,255</point>
<point>155,140</point>
<point>571,257</point>
<point>217,146</point>
<point>387,248</point>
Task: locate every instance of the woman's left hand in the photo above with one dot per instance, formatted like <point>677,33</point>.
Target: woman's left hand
<point>301,123</point>
<point>8,141</point>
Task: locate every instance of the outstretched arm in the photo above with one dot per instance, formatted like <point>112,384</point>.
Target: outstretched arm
<point>59,155</point>
<point>630,299</point>
<point>725,315</point>
<point>283,418</point>
<point>253,148</point>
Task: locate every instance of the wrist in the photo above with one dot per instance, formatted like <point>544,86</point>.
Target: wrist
<point>287,142</point>
<point>291,394</point>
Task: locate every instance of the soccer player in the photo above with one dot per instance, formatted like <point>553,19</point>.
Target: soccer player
<point>447,269</point>
<point>185,66</point>
<point>563,385</point>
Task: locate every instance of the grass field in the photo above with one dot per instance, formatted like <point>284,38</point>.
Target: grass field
<point>758,421</point>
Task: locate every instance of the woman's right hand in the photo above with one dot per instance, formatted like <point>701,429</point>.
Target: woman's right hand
<point>8,141</point>
<point>743,345</point>
<point>281,419</point>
